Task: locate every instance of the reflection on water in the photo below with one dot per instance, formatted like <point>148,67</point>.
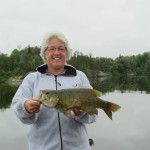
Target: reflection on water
<point>128,130</point>
<point>6,93</point>
<point>122,84</point>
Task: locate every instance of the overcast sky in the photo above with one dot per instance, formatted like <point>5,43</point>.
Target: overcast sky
<point>105,28</point>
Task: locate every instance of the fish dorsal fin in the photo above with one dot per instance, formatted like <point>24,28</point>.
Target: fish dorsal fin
<point>95,92</point>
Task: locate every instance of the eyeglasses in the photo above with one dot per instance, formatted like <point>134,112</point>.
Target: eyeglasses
<point>53,49</point>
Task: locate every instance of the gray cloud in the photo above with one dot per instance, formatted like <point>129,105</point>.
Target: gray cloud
<point>104,28</point>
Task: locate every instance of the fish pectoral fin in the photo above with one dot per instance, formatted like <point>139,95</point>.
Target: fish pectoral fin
<point>93,112</point>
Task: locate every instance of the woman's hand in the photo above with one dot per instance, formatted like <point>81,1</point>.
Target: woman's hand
<point>76,112</point>
<point>32,105</point>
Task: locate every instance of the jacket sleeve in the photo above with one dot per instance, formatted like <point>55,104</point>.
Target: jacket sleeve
<point>24,92</point>
<point>85,118</point>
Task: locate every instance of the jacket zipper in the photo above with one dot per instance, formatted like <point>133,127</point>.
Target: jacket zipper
<point>56,83</point>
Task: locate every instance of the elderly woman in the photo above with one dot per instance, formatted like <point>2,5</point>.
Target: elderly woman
<point>48,129</point>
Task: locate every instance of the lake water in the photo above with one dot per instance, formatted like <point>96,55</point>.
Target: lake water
<point>129,129</point>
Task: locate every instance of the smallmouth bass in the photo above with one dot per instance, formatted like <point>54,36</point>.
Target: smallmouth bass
<point>85,99</point>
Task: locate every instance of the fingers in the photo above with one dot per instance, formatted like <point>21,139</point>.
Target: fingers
<point>32,105</point>
<point>36,99</point>
<point>73,114</point>
<point>76,112</point>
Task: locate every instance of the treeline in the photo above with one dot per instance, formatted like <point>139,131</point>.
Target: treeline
<point>20,62</point>
<point>138,65</point>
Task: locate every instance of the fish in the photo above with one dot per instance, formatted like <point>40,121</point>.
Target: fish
<point>85,99</point>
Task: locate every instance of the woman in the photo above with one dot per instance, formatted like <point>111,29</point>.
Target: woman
<point>48,129</point>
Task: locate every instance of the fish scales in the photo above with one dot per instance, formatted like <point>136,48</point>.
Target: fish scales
<point>77,98</point>
<point>86,99</point>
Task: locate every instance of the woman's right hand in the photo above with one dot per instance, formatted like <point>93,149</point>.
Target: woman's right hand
<point>32,105</point>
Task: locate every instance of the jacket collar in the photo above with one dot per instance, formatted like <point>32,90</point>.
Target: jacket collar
<point>70,70</point>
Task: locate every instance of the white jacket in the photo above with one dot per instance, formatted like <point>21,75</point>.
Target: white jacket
<point>48,129</point>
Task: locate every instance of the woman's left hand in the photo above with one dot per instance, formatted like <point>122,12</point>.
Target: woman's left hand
<point>76,112</point>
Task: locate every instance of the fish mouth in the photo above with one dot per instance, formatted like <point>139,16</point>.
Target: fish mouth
<point>42,97</point>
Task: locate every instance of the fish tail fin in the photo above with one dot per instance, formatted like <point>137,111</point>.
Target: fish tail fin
<point>111,107</point>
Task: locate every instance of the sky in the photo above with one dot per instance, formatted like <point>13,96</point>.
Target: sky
<point>104,28</point>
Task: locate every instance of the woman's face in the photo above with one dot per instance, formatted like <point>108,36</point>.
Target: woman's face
<point>56,54</point>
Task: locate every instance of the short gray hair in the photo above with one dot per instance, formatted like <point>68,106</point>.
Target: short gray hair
<point>48,37</point>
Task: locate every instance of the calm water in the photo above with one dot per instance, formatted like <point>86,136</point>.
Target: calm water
<point>129,129</point>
